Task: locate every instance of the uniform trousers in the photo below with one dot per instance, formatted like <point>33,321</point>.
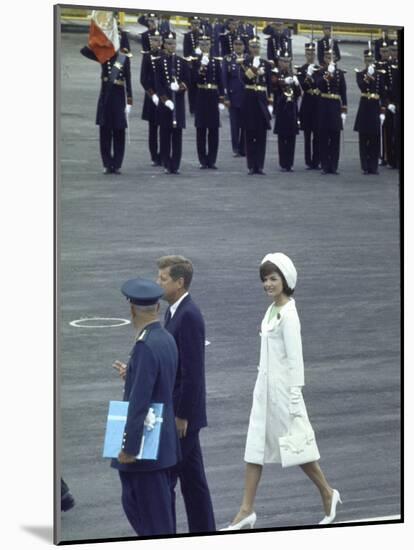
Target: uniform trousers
<point>153,142</point>
<point>286,145</point>
<point>112,145</point>
<point>256,148</point>
<point>192,96</point>
<point>194,487</point>
<point>207,155</point>
<point>237,132</point>
<point>389,140</point>
<point>171,147</point>
<point>146,499</point>
<point>369,150</point>
<point>329,141</point>
<point>311,148</point>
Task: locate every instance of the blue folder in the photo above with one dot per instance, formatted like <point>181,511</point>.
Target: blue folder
<point>115,425</point>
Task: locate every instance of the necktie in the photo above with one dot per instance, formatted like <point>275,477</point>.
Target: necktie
<point>167,317</point>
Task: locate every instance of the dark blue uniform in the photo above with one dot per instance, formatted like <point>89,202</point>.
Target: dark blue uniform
<point>324,44</point>
<point>286,122</point>
<point>145,39</point>
<point>332,102</point>
<point>110,117</point>
<point>171,122</point>
<point>308,116</point>
<point>254,111</point>
<point>151,373</point>
<point>246,31</point>
<point>218,29</point>
<point>210,91</point>
<point>187,328</point>
<point>189,51</point>
<point>392,86</point>
<point>227,39</point>
<point>367,122</point>
<point>234,89</point>
<point>149,109</point>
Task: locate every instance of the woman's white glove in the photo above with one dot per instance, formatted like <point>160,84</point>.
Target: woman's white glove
<point>155,99</point>
<point>221,106</point>
<point>289,80</point>
<point>270,109</point>
<point>127,109</point>
<point>382,118</point>
<point>392,108</point>
<point>169,104</point>
<point>204,60</point>
<point>371,70</point>
<point>343,116</point>
<point>311,69</point>
<point>295,400</point>
<point>331,68</point>
<point>198,50</point>
<point>256,62</point>
<point>295,81</point>
<point>174,86</point>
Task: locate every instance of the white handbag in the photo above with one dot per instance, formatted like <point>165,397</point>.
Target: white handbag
<point>299,445</point>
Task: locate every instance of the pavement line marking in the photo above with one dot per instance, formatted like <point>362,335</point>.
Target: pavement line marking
<point>381,518</point>
<point>80,323</point>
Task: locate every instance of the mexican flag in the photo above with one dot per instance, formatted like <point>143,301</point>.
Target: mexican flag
<point>103,35</point>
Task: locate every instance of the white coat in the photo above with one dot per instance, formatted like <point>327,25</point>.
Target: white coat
<point>280,368</point>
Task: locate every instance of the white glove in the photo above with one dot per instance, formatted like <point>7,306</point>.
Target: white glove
<point>295,81</point>
<point>270,109</point>
<point>256,61</point>
<point>174,86</point>
<point>288,80</point>
<point>343,116</point>
<point>331,68</point>
<point>311,70</point>
<point>295,400</point>
<point>127,109</point>
<point>204,60</point>
<point>155,99</point>
<point>198,50</point>
<point>371,70</point>
<point>261,71</point>
<point>382,118</point>
<point>221,106</point>
<point>169,104</point>
<point>391,107</point>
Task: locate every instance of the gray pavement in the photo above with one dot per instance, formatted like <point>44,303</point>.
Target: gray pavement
<point>341,231</point>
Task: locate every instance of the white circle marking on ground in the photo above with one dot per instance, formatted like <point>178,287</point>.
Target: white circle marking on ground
<point>82,323</point>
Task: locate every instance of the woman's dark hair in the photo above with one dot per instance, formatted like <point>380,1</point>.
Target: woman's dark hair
<point>267,268</point>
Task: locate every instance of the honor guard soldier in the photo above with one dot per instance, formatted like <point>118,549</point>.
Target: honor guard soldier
<point>114,104</point>
<point>378,44</point>
<point>164,24</point>
<point>328,43</point>
<point>331,113</point>
<point>308,113</point>
<point>150,21</point>
<point>191,50</point>
<point>287,91</point>
<point>171,82</point>
<point>392,82</point>
<point>256,108</point>
<point>151,99</point>
<point>395,97</point>
<point>234,89</point>
<point>209,100</point>
<point>227,37</point>
<point>150,378</point>
<point>218,29</point>
<point>371,113</point>
<point>278,40</point>
<point>246,31</point>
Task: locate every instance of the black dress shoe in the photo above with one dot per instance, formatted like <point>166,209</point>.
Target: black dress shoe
<point>324,172</point>
<point>335,172</point>
<point>117,171</point>
<point>107,171</point>
<point>260,172</point>
<point>375,173</point>
<point>283,170</point>
<point>203,166</point>
<point>212,167</point>
<point>365,172</point>
<point>67,502</point>
<point>250,172</point>
<point>174,172</point>
<point>236,154</point>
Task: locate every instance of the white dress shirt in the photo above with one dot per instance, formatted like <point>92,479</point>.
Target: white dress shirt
<point>175,305</point>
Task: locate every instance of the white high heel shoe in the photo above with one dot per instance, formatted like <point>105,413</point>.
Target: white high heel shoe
<point>336,497</point>
<point>246,523</point>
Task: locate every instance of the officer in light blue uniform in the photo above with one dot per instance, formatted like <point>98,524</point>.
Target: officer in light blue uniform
<point>150,377</point>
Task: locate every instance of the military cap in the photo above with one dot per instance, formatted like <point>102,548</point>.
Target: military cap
<point>238,39</point>
<point>195,19</point>
<point>368,53</point>
<point>254,40</point>
<point>142,292</point>
<point>170,36</point>
<point>204,38</point>
<point>384,44</point>
<point>310,46</point>
<point>284,54</point>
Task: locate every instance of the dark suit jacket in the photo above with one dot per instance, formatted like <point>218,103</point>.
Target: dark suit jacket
<point>187,327</point>
<point>150,378</point>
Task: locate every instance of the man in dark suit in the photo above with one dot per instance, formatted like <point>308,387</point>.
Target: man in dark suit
<point>185,322</point>
<point>149,378</point>
<point>328,43</point>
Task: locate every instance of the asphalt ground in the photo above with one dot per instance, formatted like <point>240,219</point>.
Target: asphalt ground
<point>342,232</point>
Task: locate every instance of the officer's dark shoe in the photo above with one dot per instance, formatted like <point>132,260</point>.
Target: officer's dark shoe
<point>250,172</point>
<point>67,502</point>
<point>376,173</point>
<point>107,171</point>
<point>236,155</point>
<point>212,167</point>
<point>155,163</point>
<point>365,172</point>
<point>174,172</point>
<point>203,166</point>
<point>166,171</point>
<point>324,172</point>
<point>335,172</point>
<point>283,169</point>
<point>383,163</point>
<point>289,169</point>
<point>260,172</point>
<point>117,171</point>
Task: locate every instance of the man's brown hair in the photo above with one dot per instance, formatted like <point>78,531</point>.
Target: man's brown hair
<point>179,267</point>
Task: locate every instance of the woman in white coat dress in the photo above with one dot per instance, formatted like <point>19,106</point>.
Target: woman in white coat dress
<point>277,397</point>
